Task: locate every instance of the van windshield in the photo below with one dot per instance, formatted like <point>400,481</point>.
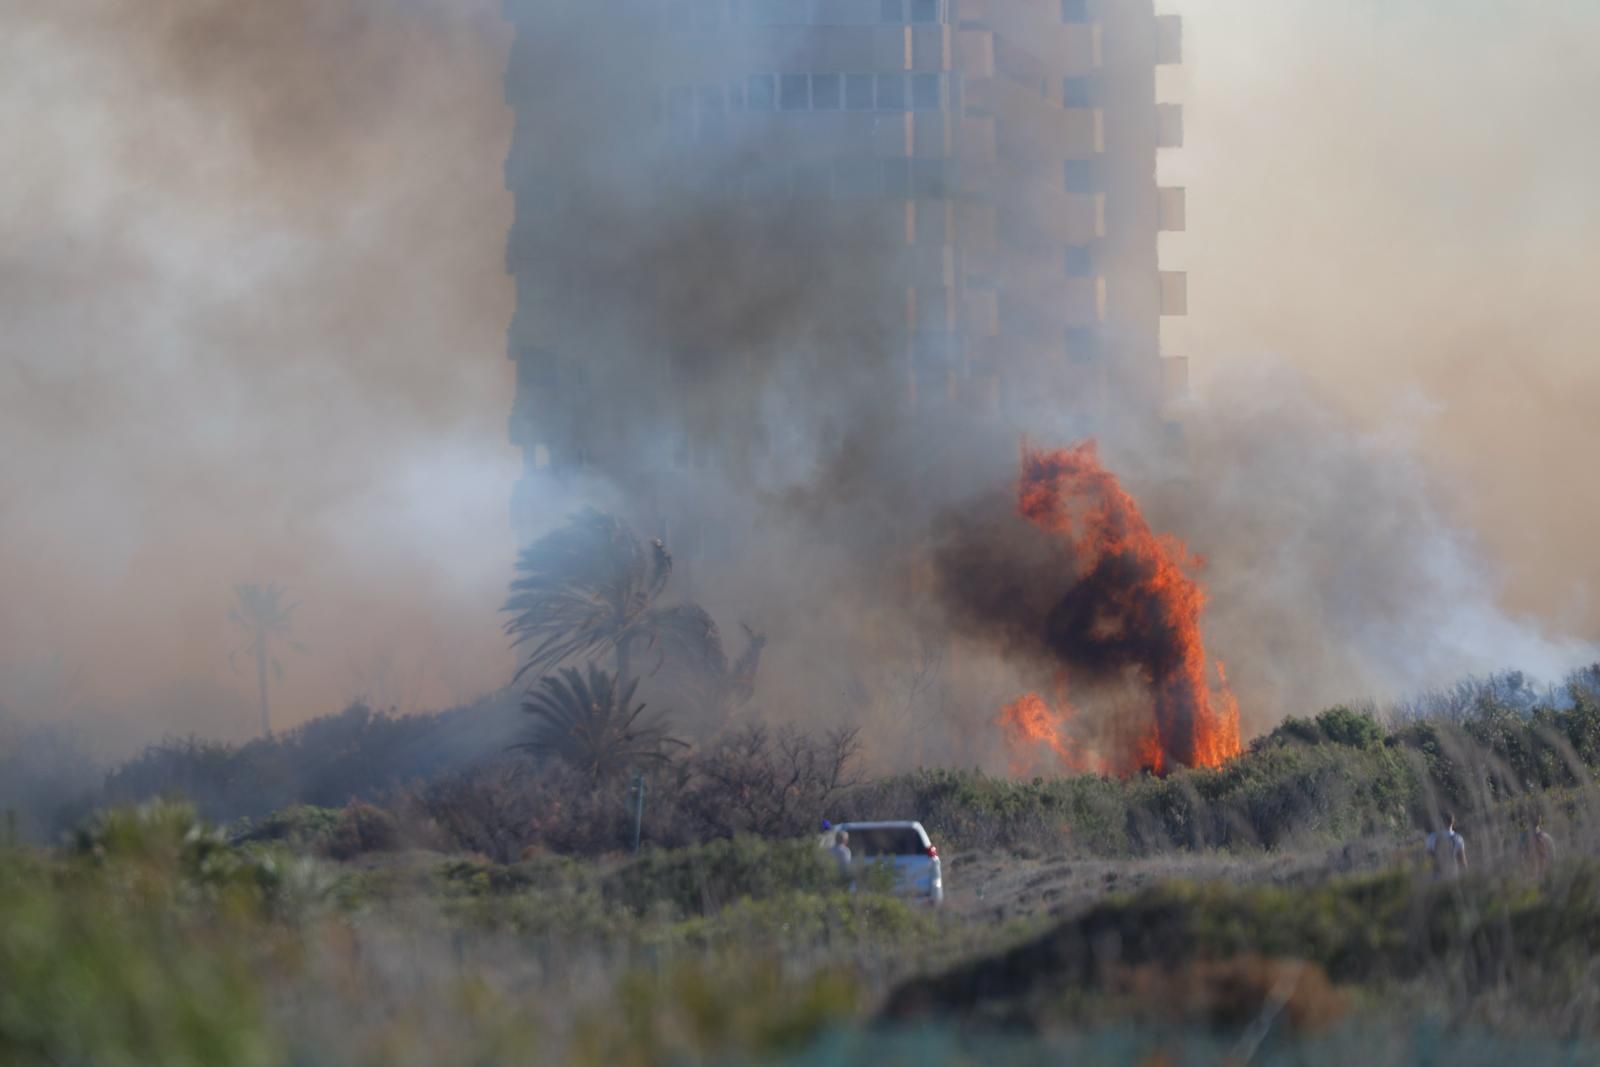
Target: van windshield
<point>887,841</point>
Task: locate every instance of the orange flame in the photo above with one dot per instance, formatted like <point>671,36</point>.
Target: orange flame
<point>1031,725</point>
<point>1137,606</point>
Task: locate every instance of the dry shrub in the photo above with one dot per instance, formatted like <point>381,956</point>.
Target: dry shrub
<point>774,783</point>
<point>363,828</point>
<point>493,810</point>
<point>1233,993</point>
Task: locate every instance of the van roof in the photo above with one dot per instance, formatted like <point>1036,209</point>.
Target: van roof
<point>892,824</point>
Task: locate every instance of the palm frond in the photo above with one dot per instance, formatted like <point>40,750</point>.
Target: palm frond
<point>741,679</point>
<point>581,588</point>
<point>592,590</point>
<point>683,630</point>
<point>260,609</point>
<point>589,721</point>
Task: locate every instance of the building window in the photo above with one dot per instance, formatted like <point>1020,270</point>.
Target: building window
<point>819,92</point>
<point>924,10</point>
<point>1079,175</point>
<point>891,92</point>
<point>933,348</point>
<point>896,179</point>
<point>930,179</point>
<point>1080,261</point>
<point>825,92</point>
<point>933,310</point>
<point>707,14</point>
<point>811,182</point>
<point>1078,92</point>
<point>769,183</point>
<point>858,92</point>
<point>759,92</point>
<point>768,13</point>
<point>1074,10</point>
<point>857,178</point>
<point>794,92</point>
<point>892,11</point>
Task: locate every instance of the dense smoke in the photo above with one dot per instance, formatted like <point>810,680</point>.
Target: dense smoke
<point>251,263</point>
<point>251,270</point>
<point>1394,200</point>
<point>1120,609</point>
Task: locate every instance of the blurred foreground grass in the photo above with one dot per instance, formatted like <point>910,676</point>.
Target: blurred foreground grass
<point>150,939</point>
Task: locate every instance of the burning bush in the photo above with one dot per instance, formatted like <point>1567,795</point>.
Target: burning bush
<point>1110,605</point>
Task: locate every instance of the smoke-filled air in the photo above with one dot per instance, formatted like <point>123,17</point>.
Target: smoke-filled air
<point>258,311</point>
<point>607,533</point>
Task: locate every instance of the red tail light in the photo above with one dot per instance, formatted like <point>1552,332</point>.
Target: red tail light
<point>933,852</point>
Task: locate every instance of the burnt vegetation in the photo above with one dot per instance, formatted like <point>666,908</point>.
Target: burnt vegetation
<point>455,780</point>
<point>509,823</point>
<point>497,835</point>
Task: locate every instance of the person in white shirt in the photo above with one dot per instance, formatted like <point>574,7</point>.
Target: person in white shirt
<point>1448,850</point>
<point>841,852</point>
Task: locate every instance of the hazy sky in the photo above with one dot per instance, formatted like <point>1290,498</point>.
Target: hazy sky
<point>252,281</point>
<point>253,301</point>
<point>1397,197</point>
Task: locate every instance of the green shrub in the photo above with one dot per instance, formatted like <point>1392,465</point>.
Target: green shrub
<point>363,828</point>
<point>801,920</point>
<point>304,828</point>
<point>703,879</point>
<point>137,949</point>
<point>701,1012</point>
<point>1342,726</point>
<point>1470,937</point>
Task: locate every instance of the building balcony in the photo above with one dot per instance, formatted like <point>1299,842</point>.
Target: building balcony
<point>1034,26</point>
<point>1033,308</point>
<point>1169,39</point>
<point>1174,292</point>
<point>1172,210</point>
<point>1037,214</point>
<point>1032,126</point>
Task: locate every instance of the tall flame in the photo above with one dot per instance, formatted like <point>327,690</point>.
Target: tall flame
<point>1134,606</point>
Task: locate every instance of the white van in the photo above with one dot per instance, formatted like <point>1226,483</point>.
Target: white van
<point>905,845</point>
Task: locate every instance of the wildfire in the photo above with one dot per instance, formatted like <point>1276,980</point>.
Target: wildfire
<point>1133,607</point>
<point>1031,726</point>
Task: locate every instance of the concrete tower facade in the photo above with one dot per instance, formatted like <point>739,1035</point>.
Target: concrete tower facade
<point>995,160</point>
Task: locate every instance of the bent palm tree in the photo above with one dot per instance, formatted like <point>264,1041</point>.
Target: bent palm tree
<point>591,724</point>
<point>259,611</point>
<point>592,586</point>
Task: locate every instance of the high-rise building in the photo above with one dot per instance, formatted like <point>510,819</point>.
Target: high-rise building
<point>993,160</point>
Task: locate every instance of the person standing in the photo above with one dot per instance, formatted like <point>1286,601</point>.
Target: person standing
<point>1448,850</point>
<point>1539,847</point>
<point>841,852</point>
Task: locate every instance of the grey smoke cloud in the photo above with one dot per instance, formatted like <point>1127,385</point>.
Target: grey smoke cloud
<point>251,270</point>
<point>1341,560</point>
<point>1395,199</point>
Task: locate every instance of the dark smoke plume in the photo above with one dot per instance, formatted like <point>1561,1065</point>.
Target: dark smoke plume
<point>252,270</point>
<point>1124,608</point>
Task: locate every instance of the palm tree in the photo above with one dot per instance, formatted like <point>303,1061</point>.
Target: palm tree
<point>590,723</point>
<point>260,612</point>
<point>591,587</point>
